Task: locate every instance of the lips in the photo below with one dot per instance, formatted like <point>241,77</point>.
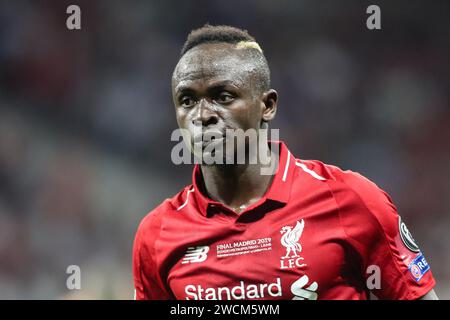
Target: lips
<point>209,136</point>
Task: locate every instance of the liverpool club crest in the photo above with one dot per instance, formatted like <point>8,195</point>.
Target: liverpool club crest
<point>290,240</point>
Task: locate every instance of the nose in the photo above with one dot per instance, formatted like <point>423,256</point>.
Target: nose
<point>205,115</point>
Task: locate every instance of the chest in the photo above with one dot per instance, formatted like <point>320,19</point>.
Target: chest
<point>286,254</point>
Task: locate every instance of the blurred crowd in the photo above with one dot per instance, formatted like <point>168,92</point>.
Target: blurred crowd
<point>86,118</point>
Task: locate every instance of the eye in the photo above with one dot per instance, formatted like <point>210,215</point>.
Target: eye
<point>187,101</point>
<point>225,97</point>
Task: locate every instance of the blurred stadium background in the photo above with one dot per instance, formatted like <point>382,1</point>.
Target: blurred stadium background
<point>86,117</point>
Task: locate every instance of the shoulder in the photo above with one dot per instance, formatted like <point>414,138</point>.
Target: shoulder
<point>364,192</point>
<point>346,182</point>
<point>150,225</point>
<point>331,172</point>
<point>360,200</point>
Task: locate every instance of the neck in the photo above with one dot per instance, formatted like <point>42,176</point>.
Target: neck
<point>237,186</point>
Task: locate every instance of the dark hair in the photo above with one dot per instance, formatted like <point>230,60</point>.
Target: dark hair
<point>217,34</point>
<point>232,35</point>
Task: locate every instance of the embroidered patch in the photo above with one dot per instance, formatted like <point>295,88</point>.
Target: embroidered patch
<point>406,237</point>
<point>418,267</point>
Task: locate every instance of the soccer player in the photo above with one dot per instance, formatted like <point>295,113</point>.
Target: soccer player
<point>307,231</point>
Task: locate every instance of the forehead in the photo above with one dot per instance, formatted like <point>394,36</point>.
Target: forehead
<point>211,63</point>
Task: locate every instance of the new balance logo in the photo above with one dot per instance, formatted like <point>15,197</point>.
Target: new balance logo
<point>195,254</point>
<point>300,292</point>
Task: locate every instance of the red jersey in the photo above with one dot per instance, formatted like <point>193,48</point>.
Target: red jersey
<point>318,233</point>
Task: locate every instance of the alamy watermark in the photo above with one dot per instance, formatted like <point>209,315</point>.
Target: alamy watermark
<point>73,21</point>
<point>373,22</point>
<point>229,147</point>
<point>373,280</point>
<point>73,281</point>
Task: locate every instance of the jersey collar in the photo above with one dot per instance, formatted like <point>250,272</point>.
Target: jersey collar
<point>278,191</point>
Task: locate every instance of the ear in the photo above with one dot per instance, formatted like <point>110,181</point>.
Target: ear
<point>269,103</point>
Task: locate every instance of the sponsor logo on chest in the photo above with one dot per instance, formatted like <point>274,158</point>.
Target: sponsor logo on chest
<point>301,289</point>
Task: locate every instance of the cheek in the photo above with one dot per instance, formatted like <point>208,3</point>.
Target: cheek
<point>250,115</point>
<point>181,118</point>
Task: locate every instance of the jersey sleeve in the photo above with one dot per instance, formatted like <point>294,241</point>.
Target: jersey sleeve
<point>148,283</point>
<point>392,264</point>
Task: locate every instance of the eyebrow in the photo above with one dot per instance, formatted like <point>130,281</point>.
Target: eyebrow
<point>183,88</point>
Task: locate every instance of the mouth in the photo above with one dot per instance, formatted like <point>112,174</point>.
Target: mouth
<point>212,144</point>
<point>207,137</point>
<point>211,140</point>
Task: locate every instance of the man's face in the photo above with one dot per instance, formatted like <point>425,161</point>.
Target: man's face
<point>215,89</point>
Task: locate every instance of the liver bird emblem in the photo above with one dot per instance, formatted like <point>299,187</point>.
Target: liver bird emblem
<point>290,238</point>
